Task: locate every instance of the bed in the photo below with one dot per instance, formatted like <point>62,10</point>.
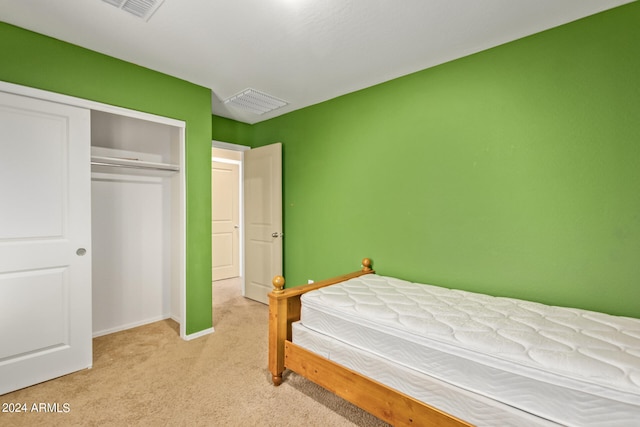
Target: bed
<point>417,354</point>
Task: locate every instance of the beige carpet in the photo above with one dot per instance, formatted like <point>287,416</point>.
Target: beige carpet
<point>149,376</point>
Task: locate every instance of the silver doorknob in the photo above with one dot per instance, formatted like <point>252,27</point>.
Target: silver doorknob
<point>276,234</point>
<point>81,251</point>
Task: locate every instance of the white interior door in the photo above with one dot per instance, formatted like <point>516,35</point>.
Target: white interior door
<point>45,241</point>
<point>263,219</point>
<point>225,220</point>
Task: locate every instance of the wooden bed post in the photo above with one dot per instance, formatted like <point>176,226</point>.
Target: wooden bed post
<point>277,329</point>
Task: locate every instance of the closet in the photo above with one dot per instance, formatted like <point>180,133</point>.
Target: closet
<point>136,222</point>
<point>92,228</point>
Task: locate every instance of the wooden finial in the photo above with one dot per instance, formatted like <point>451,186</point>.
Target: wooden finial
<point>278,284</point>
<point>366,264</point>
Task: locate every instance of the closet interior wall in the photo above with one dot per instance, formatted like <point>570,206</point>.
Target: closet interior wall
<point>136,223</point>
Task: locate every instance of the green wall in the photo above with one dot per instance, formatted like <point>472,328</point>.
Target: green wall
<point>514,172</point>
<point>34,60</point>
<point>227,130</point>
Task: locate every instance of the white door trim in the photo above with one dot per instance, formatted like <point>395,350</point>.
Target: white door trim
<point>229,146</point>
<point>241,148</point>
<point>85,103</point>
<point>93,105</point>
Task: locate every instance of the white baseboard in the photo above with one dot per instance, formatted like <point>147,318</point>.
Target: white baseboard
<point>198,334</point>
<point>152,320</point>
<point>129,326</point>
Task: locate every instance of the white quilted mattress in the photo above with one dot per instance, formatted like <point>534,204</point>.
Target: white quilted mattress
<point>570,366</point>
<point>468,406</point>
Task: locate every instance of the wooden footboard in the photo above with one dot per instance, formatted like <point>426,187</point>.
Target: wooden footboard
<point>284,309</point>
<point>385,403</point>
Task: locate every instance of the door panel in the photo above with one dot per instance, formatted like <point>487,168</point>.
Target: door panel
<point>263,219</point>
<point>37,164</point>
<point>225,220</point>
<point>46,289</point>
<point>45,286</point>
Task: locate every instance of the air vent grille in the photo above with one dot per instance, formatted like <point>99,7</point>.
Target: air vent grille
<point>255,101</point>
<point>141,8</point>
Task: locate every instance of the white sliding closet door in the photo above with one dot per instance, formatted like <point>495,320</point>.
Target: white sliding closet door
<point>45,241</point>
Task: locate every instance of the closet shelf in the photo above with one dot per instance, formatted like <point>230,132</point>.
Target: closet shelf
<point>120,162</point>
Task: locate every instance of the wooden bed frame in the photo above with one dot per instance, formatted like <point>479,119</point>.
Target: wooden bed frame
<point>385,403</point>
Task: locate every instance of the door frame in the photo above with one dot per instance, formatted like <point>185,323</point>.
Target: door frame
<point>238,148</point>
<point>180,317</point>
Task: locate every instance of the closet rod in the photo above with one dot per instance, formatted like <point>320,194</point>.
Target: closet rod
<point>146,167</point>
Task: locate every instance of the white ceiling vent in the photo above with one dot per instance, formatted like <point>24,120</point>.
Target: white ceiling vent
<point>141,8</point>
<point>255,101</point>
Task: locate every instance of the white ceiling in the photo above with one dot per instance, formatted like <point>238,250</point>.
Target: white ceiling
<point>301,51</point>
